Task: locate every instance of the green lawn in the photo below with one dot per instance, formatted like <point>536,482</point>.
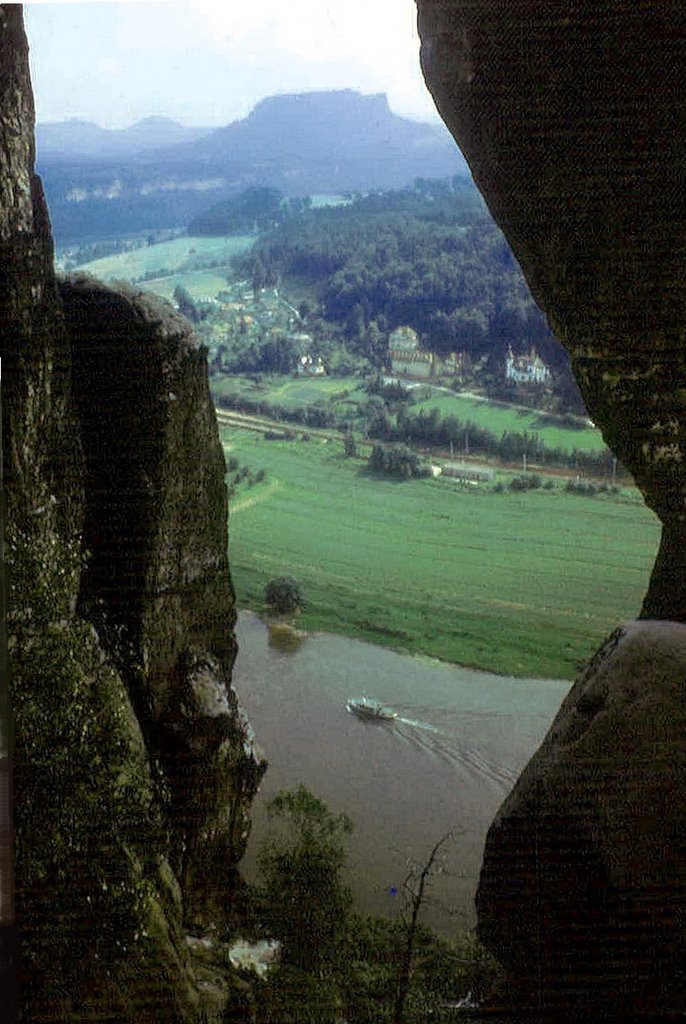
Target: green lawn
<point>200,284</point>
<point>291,392</point>
<point>498,418</point>
<point>176,254</point>
<point>526,584</point>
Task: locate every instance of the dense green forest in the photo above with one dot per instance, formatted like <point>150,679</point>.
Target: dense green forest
<point>428,256</point>
<point>255,209</point>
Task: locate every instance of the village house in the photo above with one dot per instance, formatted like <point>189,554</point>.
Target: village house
<point>526,369</point>
<point>310,366</point>
<point>409,359</point>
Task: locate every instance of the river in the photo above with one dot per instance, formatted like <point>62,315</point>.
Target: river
<point>448,760</point>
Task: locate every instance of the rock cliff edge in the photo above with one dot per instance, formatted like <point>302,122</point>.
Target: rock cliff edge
<point>134,765</point>
<point>572,118</point>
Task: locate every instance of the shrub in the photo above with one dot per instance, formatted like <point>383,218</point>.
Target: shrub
<point>283,594</point>
<point>303,898</point>
<point>527,482</point>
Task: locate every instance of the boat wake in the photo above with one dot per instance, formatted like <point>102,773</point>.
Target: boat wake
<point>429,739</point>
<point>414,724</point>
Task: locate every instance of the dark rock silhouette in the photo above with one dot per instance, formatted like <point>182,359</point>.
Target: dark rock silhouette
<point>134,767</point>
<point>573,119</point>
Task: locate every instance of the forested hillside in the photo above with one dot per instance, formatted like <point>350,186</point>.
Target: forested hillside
<point>427,256</point>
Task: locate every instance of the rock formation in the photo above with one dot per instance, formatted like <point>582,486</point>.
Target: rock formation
<point>573,120</point>
<point>134,766</point>
<point>584,874</point>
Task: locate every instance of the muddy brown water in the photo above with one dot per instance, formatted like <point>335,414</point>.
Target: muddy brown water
<point>447,762</point>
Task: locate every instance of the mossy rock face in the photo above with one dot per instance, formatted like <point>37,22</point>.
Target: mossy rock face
<point>100,914</point>
<point>572,120</point>
<point>157,577</point>
<point>133,764</point>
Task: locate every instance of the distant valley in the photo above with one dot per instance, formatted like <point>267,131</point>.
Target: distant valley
<point>159,174</point>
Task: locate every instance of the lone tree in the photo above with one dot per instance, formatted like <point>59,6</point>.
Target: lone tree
<point>283,594</point>
<point>415,889</point>
<point>186,304</point>
<point>305,901</point>
<point>349,445</point>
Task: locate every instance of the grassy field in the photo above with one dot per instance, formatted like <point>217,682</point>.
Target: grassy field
<point>176,254</point>
<point>292,392</point>
<point>498,417</point>
<point>523,584</point>
<point>494,416</point>
<point>200,284</point>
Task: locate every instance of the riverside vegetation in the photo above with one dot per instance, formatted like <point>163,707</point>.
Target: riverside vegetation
<point>335,963</point>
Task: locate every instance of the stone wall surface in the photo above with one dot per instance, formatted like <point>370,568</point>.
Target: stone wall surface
<point>573,120</point>
<point>134,767</point>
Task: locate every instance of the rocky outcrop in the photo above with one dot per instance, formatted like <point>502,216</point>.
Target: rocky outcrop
<point>133,765</point>
<point>572,118</point>
<point>583,887</point>
<point>156,581</point>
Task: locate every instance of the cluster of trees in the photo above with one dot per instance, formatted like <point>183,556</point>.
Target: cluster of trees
<point>266,353</point>
<point>396,424</point>
<point>335,963</point>
<point>427,257</point>
<point>237,475</point>
<point>254,209</point>
<point>398,461</point>
<point>308,415</point>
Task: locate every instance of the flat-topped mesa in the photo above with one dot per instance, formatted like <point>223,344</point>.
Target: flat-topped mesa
<point>572,120</point>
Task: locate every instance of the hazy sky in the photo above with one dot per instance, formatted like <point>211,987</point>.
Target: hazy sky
<point>207,62</point>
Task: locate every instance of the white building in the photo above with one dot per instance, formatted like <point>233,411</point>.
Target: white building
<point>527,369</point>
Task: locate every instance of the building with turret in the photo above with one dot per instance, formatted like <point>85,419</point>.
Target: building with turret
<point>526,369</point>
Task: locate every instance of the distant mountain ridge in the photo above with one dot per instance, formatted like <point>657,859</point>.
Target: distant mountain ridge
<point>153,175</point>
<point>76,137</point>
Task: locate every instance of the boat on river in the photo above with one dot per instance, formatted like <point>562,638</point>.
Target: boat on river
<point>366,707</point>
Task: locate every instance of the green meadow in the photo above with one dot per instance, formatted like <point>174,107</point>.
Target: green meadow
<point>200,284</point>
<point>499,417</point>
<point>338,392</point>
<point>292,392</point>
<point>518,583</point>
<point>178,254</point>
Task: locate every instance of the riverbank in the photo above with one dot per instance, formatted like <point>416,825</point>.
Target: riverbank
<point>460,740</point>
<point>521,583</point>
